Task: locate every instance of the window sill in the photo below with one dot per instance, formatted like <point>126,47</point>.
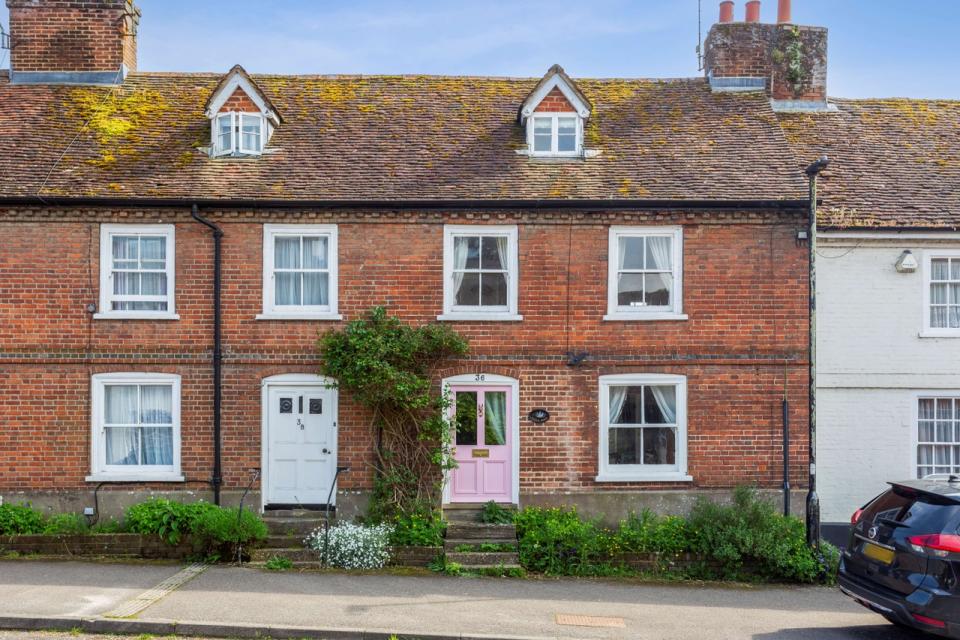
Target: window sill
<point>935,333</point>
<point>135,477</point>
<point>299,316</point>
<point>644,317</point>
<point>480,317</point>
<point>652,477</point>
<point>135,316</point>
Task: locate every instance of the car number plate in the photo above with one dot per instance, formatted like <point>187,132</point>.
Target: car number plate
<point>878,553</point>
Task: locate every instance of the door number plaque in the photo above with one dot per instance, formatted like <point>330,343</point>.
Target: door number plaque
<point>481,453</point>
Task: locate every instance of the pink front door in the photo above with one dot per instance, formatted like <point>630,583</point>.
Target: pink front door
<point>482,441</point>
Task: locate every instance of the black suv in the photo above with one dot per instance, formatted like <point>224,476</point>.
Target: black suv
<point>903,558</point>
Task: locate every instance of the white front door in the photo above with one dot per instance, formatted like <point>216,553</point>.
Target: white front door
<point>301,445</point>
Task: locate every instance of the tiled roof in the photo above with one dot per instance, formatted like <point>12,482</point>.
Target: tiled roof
<point>391,138</point>
<point>893,163</point>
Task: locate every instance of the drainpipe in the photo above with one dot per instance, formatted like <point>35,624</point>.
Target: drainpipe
<point>813,500</point>
<point>217,479</point>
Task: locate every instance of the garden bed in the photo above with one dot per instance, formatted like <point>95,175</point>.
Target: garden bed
<point>119,545</point>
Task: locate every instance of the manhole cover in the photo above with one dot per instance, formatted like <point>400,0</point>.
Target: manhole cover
<point>588,621</point>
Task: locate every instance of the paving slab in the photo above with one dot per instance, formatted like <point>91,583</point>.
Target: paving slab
<point>74,589</point>
<point>510,607</point>
<point>245,602</point>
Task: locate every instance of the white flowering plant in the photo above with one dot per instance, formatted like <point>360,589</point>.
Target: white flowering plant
<point>352,546</point>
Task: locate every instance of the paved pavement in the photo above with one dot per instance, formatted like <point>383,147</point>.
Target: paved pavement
<point>428,604</point>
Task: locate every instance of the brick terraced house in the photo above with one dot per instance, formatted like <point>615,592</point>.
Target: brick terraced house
<point>621,253</point>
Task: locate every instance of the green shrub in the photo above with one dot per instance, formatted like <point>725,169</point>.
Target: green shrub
<point>224,528</point>
<point>108,526</point>
<point>421,528</point>
<point>168,519</point>
<point>66,524</point>
<point>493,513</point>
<point>751,533</point>
<point>557,542</point>
<point>649,533</point>
<point>278,563</point>
<point>20,519</point>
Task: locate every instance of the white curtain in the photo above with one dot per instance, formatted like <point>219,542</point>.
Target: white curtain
<point>156,408</point>
<point>495,418</point>
<point>315,289</point>
<point>287,285</point>
<point>502,244</point>
<point>658,249</point>
<point>666,398</point>
<point>120,407</point>
<point>461,250</point>
<point>618,395</point>
<point>133,405</point>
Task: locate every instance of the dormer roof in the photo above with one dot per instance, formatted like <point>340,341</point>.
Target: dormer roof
<point>238,78</point>
<point>555,79</point>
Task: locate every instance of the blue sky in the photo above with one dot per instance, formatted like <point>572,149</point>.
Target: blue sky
<point>878,48</point>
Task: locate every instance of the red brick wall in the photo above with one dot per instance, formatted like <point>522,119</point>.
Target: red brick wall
<point>239,101</point>
<point>73,35</point>
<point>555,102</point>
<point>744,290</point>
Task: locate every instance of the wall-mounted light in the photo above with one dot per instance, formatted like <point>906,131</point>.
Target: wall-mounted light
<point>538,416</point>
<point>907,262</point>
<point>802,237</point>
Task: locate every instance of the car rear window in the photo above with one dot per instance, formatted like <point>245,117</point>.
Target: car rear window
<point>918,511</point>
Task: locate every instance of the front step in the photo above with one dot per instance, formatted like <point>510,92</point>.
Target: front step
<point>468,512</point>
<point>476,533</point>
<point>292,525</point>
<point>475,559</point>
<point>293,554</point>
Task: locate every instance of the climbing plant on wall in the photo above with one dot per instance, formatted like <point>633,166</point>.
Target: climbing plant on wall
<point>388,367</point>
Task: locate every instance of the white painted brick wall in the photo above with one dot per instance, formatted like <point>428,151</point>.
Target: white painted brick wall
<point>871,363</point>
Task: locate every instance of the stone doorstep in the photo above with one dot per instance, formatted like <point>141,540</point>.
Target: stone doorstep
<point>484,558</point>
<point>482,532</point>
<point>299,554</point>
<point>292,526</point>
<point>450,544</point>
<point>282,542</point>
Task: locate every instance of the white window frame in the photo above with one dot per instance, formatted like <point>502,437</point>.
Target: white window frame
<point>555,129</point>
<point>452,312</point>
<point>929,256</point>
<point>107,231</point>
<point>933,394</point>
<point>236,134</point>
<point>617,312</point>
<point>271,311</point>
<point>641,472</point>
<point>99,470</point>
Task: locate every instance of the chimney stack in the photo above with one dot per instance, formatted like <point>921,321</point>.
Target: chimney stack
<point>726,11</point>
<point>72,41</point>
<point>784,14</point>
<point>786,61</point>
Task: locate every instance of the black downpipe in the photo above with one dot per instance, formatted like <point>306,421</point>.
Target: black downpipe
<point>813,500</point>
<point>786,455</point>
<point>217,479</point>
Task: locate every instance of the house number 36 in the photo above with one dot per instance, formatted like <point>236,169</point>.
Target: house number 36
<point>480,377</point>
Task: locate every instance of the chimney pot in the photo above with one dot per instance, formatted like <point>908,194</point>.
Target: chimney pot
<point>726,11</point>
<point>753,11</point>
<point>783,12</point>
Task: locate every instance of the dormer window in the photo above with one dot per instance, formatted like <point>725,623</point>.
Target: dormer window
<point>555,134</point>
<point>239,134</point>
<point>242,118</point>
<point>554,114</point>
